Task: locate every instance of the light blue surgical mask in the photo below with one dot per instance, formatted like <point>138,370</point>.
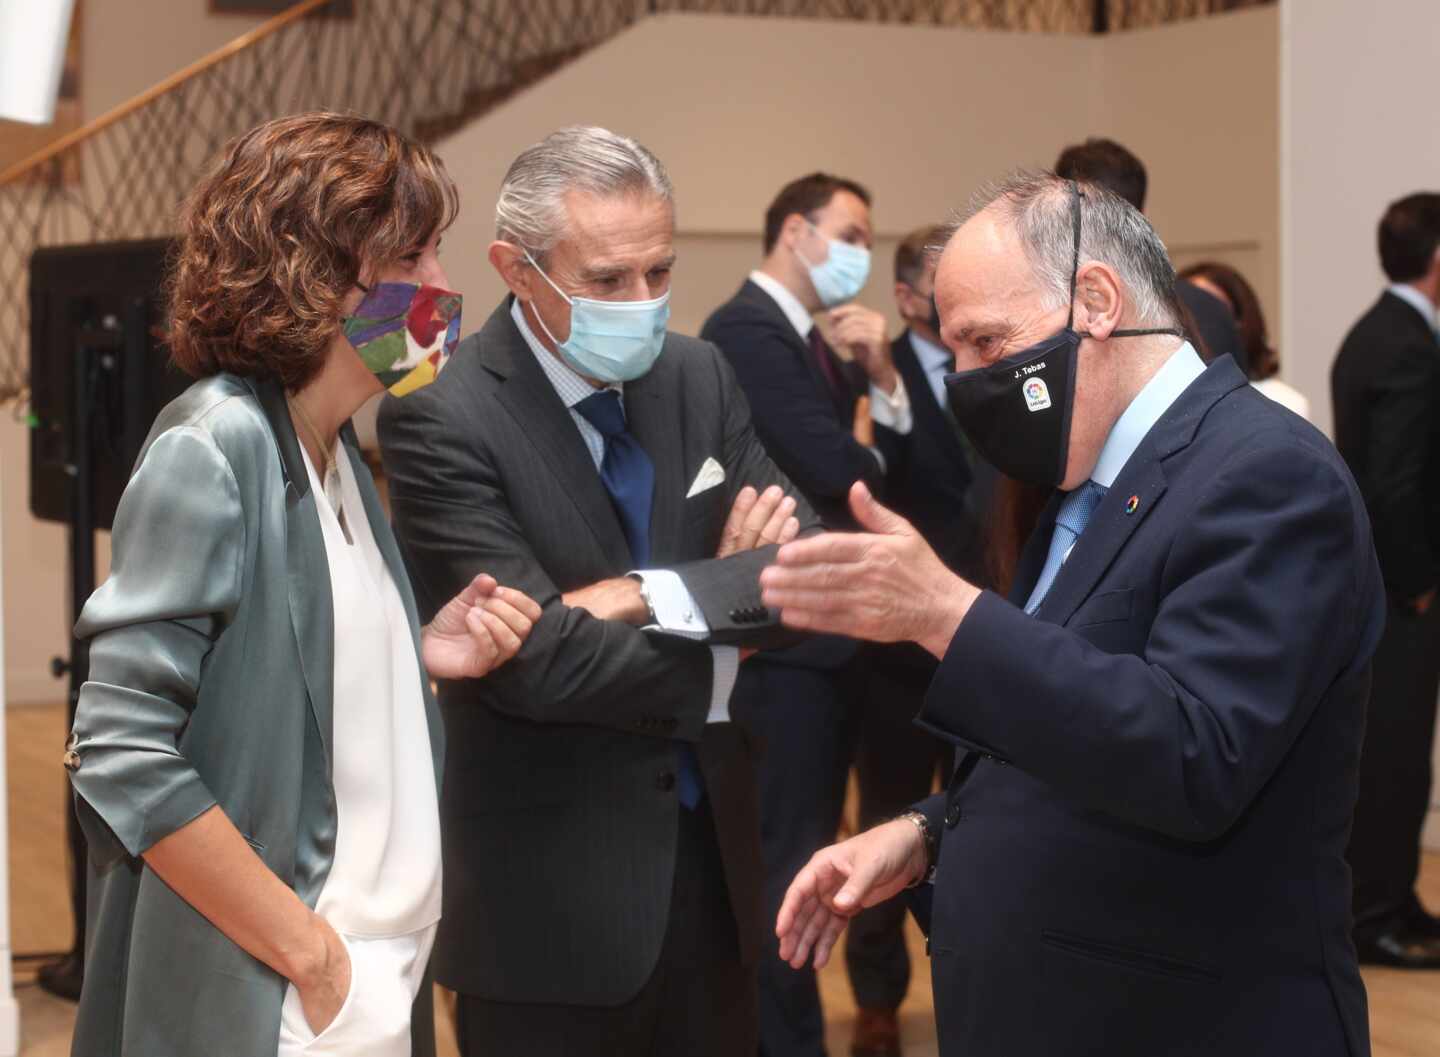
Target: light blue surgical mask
<point>841,276</point>
<point>610,341</point>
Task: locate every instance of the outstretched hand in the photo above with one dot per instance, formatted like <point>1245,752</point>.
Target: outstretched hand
<point>840,881</point>
<point>882,585</point>
<point>478,630</point>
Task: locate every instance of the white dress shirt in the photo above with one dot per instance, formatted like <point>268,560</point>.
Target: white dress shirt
<point>674,607</point>
<point>891,410</point>
<point>382,894</point>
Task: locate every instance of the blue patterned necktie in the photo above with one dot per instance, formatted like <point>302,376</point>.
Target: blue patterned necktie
<point>1070,522</point>
<point>629,477</point>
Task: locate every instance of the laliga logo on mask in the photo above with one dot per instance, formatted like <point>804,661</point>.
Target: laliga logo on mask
<point>1037,394</point>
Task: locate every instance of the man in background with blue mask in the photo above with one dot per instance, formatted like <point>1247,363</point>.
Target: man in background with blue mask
<point>599,819</point>
<point>827,422</point>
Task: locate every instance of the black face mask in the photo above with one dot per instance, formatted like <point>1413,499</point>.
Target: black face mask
<point>1017,411</point>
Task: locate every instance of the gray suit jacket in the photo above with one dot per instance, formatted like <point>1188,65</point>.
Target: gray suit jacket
<point>559,817</point>
<point>211,670</point>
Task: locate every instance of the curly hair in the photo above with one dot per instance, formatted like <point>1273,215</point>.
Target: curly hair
<point>277,233</point>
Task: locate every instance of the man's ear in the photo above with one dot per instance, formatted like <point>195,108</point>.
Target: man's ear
<point>510,262</point>
<point>903,294</point>
<point>1099,300</point>
<point>793,229</point>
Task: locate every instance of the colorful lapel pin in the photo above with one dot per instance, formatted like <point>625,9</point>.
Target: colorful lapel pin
<point>1132,504</point>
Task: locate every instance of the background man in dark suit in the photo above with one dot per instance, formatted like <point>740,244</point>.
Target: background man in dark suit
<point>1386,390</point>
<point>809,408</point>
<point>1113,167</point>
<point>599,818</point>
<point>1141,850</point>
<point>942,487</point>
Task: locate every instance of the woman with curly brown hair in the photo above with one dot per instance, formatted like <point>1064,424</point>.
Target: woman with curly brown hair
<point>256,756</point>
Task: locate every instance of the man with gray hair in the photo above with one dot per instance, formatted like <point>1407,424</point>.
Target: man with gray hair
<point>599,819</point>
<point>1141,849</point>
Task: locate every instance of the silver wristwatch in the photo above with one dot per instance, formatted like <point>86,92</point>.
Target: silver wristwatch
<point>927,837</point>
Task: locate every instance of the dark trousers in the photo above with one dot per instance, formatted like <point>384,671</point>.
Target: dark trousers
<point>700,1000</point>
<point>1394,793</point>
<point>896,764</point>
<point>805,721</point>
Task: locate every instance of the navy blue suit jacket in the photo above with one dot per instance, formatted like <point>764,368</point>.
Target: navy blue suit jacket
<point>805,427</point>
<point>1142,847</point>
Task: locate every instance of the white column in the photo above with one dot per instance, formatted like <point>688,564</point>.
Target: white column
<point>9,1010</point>
<point>1357,101</point>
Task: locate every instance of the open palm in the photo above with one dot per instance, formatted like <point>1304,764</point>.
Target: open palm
<point>478,630</point>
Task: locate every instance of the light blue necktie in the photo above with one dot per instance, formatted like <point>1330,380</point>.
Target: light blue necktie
<point>1070,522</point>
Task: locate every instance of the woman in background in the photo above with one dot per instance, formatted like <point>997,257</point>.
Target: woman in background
<point>1225,283</point>
<point>257,754</point>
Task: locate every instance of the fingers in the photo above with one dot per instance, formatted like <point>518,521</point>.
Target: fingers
<point>486,649</point>
<point>816,600</point>
<point>510,615</point>
<point>789,530</point>
<point>779,518</point>
<point>801,890</point>
<point>760,515</point>
<point>828,935</point>
<point>835,548</point>
<point>521,601</point>
<point>730,536</point>
<point>506,641</point>
<point>482,587</point>
<point>872,515</point>
<point>851,896</point>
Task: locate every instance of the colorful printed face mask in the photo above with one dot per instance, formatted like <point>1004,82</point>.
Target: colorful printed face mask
<point>405,332</point>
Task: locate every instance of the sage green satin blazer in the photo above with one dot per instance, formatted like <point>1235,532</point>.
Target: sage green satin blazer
<point>211,667</point>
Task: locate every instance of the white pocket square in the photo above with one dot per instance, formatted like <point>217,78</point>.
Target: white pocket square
<point>710,475</point>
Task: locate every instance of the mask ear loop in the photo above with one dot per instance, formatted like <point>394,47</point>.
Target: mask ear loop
<point>1075,274</point>
<point>1075,262</point>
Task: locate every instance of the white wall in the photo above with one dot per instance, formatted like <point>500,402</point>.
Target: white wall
<point>1358,104</point>
<point>1358,127</point>
<point>736,107</point>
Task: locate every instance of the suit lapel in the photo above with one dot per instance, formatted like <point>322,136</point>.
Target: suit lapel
<point>652,412</point>
<point>312,612</point>
<point>1136,492</point>
<point>800,346</point>
<point>390,551</point>
<point>546,423</point>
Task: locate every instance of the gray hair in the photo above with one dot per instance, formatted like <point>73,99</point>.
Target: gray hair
<point>1040,206</point>
<point>531,208</point>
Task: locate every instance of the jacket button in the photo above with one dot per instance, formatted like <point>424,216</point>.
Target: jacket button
<point>665,781</point>
<point>953,815</point>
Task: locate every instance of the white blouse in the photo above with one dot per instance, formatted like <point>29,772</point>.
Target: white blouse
<point>383,891</point>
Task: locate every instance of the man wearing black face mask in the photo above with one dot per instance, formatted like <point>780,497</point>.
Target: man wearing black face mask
<point>1141,850</point>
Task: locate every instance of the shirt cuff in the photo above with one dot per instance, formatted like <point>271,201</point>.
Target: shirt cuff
<point>727,669</point>
<point>674,607</point>
<point>892,410</point>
